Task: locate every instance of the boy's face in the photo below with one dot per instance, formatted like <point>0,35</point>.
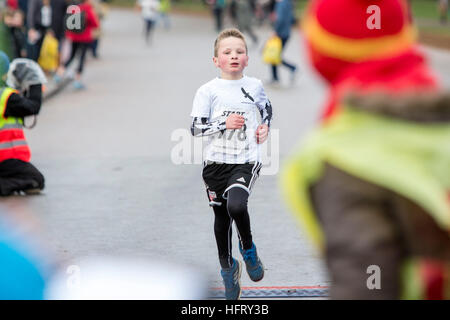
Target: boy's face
<point>231,57</point>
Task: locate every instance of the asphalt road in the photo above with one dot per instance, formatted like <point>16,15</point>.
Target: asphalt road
<point>109,154</point>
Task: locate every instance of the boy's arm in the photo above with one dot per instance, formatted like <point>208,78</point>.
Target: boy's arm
<point>265,107</point>
<point>203,127</point>
<point>19,106</point>
<point>266,113</point>
<point>201,121</point>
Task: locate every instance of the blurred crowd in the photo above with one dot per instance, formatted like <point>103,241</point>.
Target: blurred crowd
<point>38,30</point>
<point>243,13</point>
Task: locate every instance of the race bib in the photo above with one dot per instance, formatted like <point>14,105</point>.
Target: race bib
<point>235,141</point>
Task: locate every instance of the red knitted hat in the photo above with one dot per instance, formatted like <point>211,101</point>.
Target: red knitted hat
<point>340,33</point>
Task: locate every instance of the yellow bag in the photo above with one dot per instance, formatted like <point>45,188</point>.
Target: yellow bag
<point>49,55</point>
<point>272,51</point>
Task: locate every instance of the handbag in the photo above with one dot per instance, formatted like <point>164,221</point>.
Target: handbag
<point>49,55</point>
<point>272,51</point>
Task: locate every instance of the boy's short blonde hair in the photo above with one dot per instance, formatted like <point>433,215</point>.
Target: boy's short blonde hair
<point>232,32</point>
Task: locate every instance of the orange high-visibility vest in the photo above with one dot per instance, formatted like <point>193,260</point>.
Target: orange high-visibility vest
<point>13,144</point>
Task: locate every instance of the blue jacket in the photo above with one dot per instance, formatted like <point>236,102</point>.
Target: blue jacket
<point>284,18</point>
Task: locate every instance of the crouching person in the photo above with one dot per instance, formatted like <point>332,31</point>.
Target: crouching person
<point>20,98</point>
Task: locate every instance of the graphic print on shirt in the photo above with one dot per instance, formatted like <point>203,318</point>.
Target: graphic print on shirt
<point>247,95</point>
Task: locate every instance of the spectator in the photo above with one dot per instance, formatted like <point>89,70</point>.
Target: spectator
<point>284,18</point>
<point>218,7</point>
<point>164,10</point>
<point>244,18</point>
<point>81,40</point>
<point>44,16</point>
<point>14,20</point>
<point>22,97</point>
<point>39,19</point>
<point>96,33</point>
<point>149,11</point>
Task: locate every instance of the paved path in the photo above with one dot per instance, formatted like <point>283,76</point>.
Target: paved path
<point>112,187</point>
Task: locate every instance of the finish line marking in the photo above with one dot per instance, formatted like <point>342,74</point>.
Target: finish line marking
<point>275,292</point>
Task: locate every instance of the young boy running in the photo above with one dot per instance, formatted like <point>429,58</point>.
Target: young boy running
<point>235,114</point>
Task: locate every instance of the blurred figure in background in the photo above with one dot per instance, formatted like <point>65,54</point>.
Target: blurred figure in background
<point>81,40</point>
<point>164,10</point>
<point>21,98</point>
<point>371,184</point>
<point>39,20</point>
<point>14,19</point>
<point>244,18</point>
<point>218,8</point>
<point>263,10</point>
<point>44,16</point>
<point>284,18</point>
<point>149,10</point>
<point>100,11</point>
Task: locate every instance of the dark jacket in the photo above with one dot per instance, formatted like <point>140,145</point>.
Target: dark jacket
<point>284,18</point>
<point>59,8</point>
<point>19,106</point>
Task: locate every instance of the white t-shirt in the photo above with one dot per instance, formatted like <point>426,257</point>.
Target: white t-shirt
<point>46,16</point>
<point>216,100</point>
<point>150,9</point>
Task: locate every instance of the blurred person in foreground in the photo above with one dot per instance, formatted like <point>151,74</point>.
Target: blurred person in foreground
<point>30,271</point>
<point>25,267</point>
<point>21,98</point>
<point>371,183</point>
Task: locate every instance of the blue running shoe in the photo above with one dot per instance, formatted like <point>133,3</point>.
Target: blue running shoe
<point>78,85</point>
<point>57,79</point>
<point>255,268</point>
<point>232,281</point>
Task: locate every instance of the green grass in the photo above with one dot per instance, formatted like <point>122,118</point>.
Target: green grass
<point>123,3</point>
<point>425,9</point>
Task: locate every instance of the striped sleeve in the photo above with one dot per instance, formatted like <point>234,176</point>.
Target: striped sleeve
<point>202,127</point>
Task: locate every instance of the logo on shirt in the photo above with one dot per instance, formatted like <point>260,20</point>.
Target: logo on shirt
<point>247,95</point>
<point>212,195</point>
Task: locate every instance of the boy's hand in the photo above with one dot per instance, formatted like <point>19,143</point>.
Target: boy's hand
<point>261,133</point>
<point>235,121</point>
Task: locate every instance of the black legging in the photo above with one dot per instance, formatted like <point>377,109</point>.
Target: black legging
<point>82,47</point>
<point>149,24</point>
<point>235,208</point>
